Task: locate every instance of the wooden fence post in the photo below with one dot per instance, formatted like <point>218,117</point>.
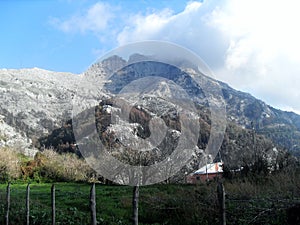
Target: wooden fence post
<point>221,198</point>
<point>7,203</point>
<point>93,205</point>
<point>135,205</point>
<point>27,203</point>
<point>53,203</point>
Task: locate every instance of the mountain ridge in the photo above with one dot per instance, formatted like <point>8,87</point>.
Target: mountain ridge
<point>55,90</point>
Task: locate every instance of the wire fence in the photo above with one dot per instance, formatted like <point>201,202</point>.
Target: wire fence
<point>77,204</point>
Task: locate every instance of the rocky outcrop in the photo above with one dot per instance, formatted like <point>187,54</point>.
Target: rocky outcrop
<point>16,140</point>
<point>37,103</point>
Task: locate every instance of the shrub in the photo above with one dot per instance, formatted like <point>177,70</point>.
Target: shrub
<point>9,164</point>
<point>46,166</point>
<point>62,167</point>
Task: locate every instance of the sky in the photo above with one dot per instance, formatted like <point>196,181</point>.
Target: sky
<point>253,45</point>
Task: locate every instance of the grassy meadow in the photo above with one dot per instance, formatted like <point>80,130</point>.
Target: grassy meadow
<point>258,201</point>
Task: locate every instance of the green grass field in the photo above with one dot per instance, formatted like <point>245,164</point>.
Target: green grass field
<point>72,203</point>
<point>159,204</point>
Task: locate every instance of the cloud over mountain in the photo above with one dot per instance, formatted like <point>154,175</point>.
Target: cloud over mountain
<point>252,45</point>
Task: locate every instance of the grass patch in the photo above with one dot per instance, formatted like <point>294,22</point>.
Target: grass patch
<point>72,203</point>
<point>246,202</point>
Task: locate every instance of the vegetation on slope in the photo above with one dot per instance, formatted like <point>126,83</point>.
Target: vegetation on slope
<point>46,166</point>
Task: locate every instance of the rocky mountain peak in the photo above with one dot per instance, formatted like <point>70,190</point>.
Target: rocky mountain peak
<point>37,101</point>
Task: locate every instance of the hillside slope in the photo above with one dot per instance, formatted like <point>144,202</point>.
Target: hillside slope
<point>36,102</point>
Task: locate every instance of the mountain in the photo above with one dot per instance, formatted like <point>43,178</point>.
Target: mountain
<point>35,101</point>
<point>37,104</point>
<point>10,137</point>
<point>282,127</point>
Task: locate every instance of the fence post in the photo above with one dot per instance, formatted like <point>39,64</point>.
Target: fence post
<point>53,203</point>
<point>7,203</point>
<point>93,204</point>
<point>27,203</point>
<point>221,198</point>
<point>135,205</point>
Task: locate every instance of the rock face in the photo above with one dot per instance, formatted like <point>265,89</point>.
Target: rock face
<point>282,127</point>
<point>10,137</point>
<point>242,109</point>
<point>150,89</point>
<point>35,103</point>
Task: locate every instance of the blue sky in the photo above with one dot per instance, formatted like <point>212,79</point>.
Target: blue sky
<point>252,45</point>
<point>30,38</point>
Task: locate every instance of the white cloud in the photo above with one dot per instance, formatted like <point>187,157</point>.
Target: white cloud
<point>144,27</point>
<point>263,56</point>
<point>253,45</point>
<point>94,19</point>
<point>187,28</point>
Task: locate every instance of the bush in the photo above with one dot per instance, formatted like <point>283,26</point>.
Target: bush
<point>45,166</point>
<point>62,167</point>
<point>9,164</point>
